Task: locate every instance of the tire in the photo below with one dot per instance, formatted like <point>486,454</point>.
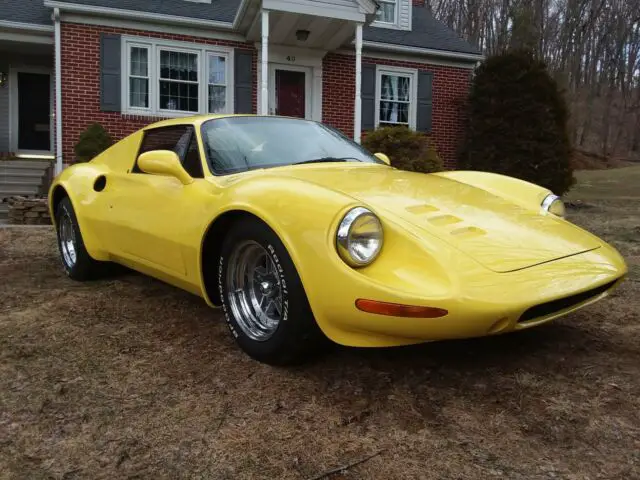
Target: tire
<point>76,261</point>
<point>267,311</point>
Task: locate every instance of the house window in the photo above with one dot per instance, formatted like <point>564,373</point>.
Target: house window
<point>387,11</point>
<point>139,77</point>
<point>217,83</point>
<point>172,79</point>
<point>396,97</point>
<point>178,81</point>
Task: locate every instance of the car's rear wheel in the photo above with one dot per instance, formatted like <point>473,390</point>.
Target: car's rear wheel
<point>264,302</point>
<point>76,261</point>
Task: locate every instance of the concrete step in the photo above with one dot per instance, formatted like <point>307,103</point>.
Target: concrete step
<point>16,181</point>
<point>33,179</point>
<point>8,170</point>
<point>12,175</point>
<point>11,189</point>
<point>37,164</point>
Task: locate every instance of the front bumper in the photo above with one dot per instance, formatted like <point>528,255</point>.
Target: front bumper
<point>479,302</point>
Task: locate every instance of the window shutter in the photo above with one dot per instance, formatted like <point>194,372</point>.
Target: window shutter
<point>368,96</point>
<point>243,79</point>
<point>110,61</point>
<point>425,101</point>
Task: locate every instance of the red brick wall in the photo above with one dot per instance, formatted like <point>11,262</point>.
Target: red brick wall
<point>450,90</point>
<point>81,82</point>
<point>81,96</point>
<point>339,91</point>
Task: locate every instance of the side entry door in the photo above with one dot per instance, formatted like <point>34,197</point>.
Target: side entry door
<point>159,220</point>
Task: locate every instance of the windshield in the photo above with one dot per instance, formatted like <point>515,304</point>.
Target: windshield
<point>237,144</point>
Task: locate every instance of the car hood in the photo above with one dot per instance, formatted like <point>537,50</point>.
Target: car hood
<point>497,233</point>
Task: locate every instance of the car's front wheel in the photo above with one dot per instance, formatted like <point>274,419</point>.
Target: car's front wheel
<point>263,299</point>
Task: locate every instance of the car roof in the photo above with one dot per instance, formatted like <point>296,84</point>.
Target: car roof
<point>198,120</point>
<point>192,120</point>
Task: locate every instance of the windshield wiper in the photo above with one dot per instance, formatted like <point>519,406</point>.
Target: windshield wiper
<point>326,160</point>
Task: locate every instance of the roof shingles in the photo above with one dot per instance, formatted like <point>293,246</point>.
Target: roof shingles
<point>427,32</point>
<point>218,10</point>
<point>25,11</point>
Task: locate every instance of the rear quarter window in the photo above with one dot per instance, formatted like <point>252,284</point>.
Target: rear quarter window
<point>180,139</point>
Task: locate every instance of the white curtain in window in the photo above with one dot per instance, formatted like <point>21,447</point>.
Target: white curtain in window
<point>395,96</point>
<point>387,11</point>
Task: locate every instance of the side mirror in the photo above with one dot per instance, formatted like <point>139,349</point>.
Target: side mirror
<point>164,162</point>
<point>383,157</point>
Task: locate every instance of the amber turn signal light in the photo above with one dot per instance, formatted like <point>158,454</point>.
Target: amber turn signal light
<point>398,310</point>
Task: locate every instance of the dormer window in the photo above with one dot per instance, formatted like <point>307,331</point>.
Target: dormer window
<point>387,12</point>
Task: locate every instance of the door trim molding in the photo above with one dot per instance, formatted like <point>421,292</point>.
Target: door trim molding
<point>308,88</point>
<point>293,58</point>
<point>14,110</point>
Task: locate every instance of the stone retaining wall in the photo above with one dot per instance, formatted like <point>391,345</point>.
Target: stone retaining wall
<point>28,211</point>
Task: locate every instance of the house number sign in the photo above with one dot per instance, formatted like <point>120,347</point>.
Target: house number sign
<point>291,58</point>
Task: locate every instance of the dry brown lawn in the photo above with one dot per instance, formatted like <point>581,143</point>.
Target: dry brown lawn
<point>131,378</point>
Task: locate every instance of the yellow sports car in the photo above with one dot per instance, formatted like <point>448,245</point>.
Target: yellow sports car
<point>300,236</point>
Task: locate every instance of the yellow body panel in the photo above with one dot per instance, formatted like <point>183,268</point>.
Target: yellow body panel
<point>475,244</point>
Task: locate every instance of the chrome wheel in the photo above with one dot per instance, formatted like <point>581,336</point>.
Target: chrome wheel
<point>254,291</point>
<point>67,240</point>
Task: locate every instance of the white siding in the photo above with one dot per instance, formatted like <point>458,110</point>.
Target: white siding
<point>404,15</point>
<point>403,19</point>
<point>341,9</point>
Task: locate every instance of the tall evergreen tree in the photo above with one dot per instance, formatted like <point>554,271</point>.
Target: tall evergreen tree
<point>517,123</point>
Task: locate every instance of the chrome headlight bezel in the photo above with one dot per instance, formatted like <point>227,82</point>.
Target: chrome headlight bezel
<point>554,205</point>
<point>345,242</point>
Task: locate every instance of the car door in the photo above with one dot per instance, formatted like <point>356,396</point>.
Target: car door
<point>157,220</point>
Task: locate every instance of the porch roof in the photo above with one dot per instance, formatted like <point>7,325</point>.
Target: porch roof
<point>427,33</point>
<point>26,11</point>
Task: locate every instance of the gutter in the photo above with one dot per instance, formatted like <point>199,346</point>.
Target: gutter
<point>58,81</point>
<point>240,13</point>
<point>390,47</point>
<point>136,15</point>
<point>30,27</point>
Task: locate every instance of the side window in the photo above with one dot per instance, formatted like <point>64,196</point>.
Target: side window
<point>180,139</point>
<point>191,162</point>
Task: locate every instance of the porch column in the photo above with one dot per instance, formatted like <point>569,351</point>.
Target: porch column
<point>357,125</point>
<point>58,91</point>
<point>264,67</point>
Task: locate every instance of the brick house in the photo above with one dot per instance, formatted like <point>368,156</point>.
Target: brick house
<point>353,64</point>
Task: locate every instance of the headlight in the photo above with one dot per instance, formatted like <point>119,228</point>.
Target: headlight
<point>359,237</point>
<point>553,204</point>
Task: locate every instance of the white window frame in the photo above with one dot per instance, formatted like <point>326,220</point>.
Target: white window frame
<point>396,12</point>
<point>208,82</point>
<point>154,47</point>
<point>148,47</point>
<point>197,53</point>
<point>413,94</point>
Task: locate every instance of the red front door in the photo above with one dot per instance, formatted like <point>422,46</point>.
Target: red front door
<point>290,93</point>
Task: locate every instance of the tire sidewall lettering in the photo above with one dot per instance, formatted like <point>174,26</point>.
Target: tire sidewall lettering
<point>282,282</point>
<point>224,294</point>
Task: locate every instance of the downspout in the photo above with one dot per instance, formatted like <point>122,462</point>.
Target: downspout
<point>58,80</point>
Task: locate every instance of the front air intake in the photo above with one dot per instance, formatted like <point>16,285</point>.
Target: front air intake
<point>555,306</point>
